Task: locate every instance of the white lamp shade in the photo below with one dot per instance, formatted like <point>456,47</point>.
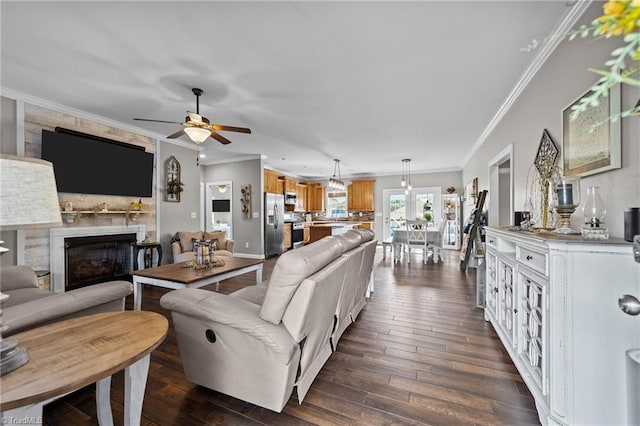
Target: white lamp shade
<point>28,193</point>
<point>197,134</point>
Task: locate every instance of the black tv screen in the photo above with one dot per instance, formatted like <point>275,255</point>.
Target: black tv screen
<point>220,206</point>
<point>85,165</point>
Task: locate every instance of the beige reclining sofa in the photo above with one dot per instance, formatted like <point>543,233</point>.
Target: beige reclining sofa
<point>29,306</point>
<point>260,342</point>
<point>182,244</point>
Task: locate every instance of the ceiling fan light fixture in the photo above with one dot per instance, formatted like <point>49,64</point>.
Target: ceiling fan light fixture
<point>197,134</point>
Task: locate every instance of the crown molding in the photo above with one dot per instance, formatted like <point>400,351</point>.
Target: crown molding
<point>569,19</point>
<point>44,103</point>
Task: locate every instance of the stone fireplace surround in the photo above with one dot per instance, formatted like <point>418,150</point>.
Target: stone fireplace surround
<point>57,252</point>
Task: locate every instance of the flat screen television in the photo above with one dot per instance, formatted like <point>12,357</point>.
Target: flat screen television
<point>220,206</point>
<point>84,164</point>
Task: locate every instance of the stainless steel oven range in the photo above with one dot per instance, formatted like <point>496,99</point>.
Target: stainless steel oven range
<point>297,234</point>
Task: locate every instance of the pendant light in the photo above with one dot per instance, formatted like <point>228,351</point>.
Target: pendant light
<point>336,182</point>
<point>406,175</point>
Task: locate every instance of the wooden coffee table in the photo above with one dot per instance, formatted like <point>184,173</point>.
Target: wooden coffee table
<point>69,355</point>
<point>181,275</point>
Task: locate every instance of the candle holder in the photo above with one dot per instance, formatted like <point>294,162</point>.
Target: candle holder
<point>594,214</point>
<point>566,200</point>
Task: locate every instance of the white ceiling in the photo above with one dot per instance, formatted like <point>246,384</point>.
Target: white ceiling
<point>369,83</point>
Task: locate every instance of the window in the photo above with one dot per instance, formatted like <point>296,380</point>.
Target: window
<point>337,204</point>
<point>424,207</point>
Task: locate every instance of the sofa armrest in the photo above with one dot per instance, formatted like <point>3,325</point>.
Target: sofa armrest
<point>15,277</point>
<point>229,245</point>
<point>64,305</point>
<point>232,312</point>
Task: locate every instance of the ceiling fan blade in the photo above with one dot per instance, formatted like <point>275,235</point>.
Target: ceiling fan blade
<point>231,128</point>
<point>176,134</point>
<point>220,138</point>
<point>157,121</point>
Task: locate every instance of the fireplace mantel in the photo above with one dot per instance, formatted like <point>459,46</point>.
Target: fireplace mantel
<point>56,245</point>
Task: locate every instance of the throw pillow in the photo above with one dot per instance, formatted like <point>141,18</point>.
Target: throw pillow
<point>220,236</point>
<point>186,239</point>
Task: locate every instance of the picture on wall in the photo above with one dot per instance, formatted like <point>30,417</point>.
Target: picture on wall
<point>471,192</point>
<point>591,142</point>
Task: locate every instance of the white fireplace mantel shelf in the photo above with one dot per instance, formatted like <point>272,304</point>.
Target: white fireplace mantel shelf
<point>70,216</point>
<point>57,248</point>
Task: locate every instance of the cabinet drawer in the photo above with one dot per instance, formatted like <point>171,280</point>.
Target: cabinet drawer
<point>534,259</point>
<point>491,241</point>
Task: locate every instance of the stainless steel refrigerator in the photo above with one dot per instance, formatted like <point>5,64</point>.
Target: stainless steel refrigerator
<point>273,224</point>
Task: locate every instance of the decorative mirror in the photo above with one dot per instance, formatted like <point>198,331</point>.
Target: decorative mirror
<point>172,180</point>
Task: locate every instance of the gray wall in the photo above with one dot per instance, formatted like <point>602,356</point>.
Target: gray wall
<point>176,216</point>
<point>245,231</point>
<point>562,79</point>
<point>8,144</point>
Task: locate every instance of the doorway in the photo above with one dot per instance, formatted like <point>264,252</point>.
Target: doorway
<point>501,188</point>
<point>419,203</point>
<point>219,207</point>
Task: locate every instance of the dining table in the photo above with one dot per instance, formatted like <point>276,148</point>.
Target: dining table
<point>399,240</point>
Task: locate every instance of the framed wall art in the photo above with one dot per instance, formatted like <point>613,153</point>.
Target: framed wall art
<point>471,192</point>
<point>591,142</point>
<point>173,184</point>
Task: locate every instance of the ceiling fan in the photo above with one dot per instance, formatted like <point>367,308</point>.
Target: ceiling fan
<point>199,128</point>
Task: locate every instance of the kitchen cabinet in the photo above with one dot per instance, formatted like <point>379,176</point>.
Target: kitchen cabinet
<point>287,236</point>
<point>360,195</point>
<point>289,184</point>
<point>301,197</point>
<point>315,197</point>
<point>452,221</point>
<point>553,301</point>
<point>272,182</point>
<point>319,231</point>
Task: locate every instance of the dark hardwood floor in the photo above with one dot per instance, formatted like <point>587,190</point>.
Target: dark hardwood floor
<point>420,353</point>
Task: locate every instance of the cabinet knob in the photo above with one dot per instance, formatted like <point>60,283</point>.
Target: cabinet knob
<point>495,290</point>
<point>529,257</point>
<point>515,310</point>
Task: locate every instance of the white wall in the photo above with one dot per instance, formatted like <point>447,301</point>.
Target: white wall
<point>562,79</point>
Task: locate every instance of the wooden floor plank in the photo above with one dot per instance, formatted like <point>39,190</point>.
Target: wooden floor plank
<point>419,353</point>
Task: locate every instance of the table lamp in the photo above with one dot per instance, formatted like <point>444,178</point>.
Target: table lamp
<point>566,200</point>
<point>28,199</point>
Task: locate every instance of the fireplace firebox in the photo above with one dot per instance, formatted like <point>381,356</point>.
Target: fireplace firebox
<point>98,258</point>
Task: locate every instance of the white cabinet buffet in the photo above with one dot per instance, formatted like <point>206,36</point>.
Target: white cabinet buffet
<point>553,301</point>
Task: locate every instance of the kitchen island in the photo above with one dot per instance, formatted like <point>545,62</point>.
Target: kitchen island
<point>319,230</point>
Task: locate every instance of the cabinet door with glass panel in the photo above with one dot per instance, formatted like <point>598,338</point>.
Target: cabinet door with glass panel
<point>452,217</point>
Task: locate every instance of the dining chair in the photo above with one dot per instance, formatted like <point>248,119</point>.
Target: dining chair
<point>416,238</point>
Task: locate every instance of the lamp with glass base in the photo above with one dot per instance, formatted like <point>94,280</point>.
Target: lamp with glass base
<point>566,200</point>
